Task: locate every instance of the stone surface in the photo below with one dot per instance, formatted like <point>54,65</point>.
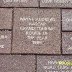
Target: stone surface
<point>67,19</point>
<point>36,31</point>
<point>54,64</point>
<point>5,18</point>
<point>17,63</point>
<point>5,41</point>
<point>18,3</point>
<point>56,3</point>
<point>67,42</point>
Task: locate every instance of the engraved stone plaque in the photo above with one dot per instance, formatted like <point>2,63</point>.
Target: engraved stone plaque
<point>18,3</point>
<point>56,3</point>
<point>5,18</point>
<point>17,63</point>
<point>36,31</point>
<point>5,41</point>
<point>67,42</point>
<point>54,64</point>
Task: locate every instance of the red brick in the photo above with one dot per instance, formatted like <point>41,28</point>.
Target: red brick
<point>54,64</point>
<point>22,43</point>
<point>5,41</point>
<point>17,63</point>
<point>5,18</point>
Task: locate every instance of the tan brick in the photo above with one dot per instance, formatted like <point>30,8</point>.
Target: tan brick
<point>43,38</point>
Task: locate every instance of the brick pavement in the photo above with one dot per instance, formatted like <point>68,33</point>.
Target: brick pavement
<point>35,35</point>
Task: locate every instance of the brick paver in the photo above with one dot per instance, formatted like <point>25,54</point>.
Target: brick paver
<point>36,31</point>
<point>5,41</point>
<point>56,3</point>
<point>54,64</point>
<point>67,42</point>
<point>67,19</point>
<point>18,3</point>
<point>17,63</point>
<point>5,18</point>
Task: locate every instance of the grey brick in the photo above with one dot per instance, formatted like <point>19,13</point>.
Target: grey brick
<point>67,42</point>
<point>17,63</point>
<point>56,3</point>
<point>18,3</point>
<point>54,64</point>
<point>5,18</point>
<point>67,19</point>
<point>5,41</point>
<point>23,42</point>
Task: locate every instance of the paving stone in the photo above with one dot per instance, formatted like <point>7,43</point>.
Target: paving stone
<point>18,3</point>
<point>5,41</point>
<point>67,42</point>
<point>54,64</point>
<point>17,63</point>
<point>67,19</point>
<point>36,31</point>
<point>56,3</point>
<point>5,18</point>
